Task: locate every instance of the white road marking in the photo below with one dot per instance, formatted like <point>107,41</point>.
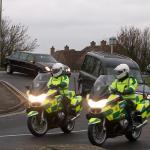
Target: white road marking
<point>12,114</point>
<point>53,133</point>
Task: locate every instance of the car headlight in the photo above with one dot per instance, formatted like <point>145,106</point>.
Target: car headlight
<point>47,68</point>
<point>38,99</point>
<point>99,104</point>
<point>148,97</point>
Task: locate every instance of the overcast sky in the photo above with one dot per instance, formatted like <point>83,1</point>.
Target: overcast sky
<point>76,22</point>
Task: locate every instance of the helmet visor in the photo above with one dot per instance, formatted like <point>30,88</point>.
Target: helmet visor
<point>55,71</point>
<point>118,72</point>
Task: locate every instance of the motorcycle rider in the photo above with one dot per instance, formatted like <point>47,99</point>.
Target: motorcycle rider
<point>125,85</point>
<point>60,80</point>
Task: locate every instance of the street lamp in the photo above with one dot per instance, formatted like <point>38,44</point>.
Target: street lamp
<point>1,33</point>
<point>112,42</point>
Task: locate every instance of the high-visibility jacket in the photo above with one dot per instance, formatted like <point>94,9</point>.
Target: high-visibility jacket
<point>62,81</point>
<point>127,87</point>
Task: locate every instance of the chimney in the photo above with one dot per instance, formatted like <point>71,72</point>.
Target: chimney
<point>52,51</point>
<point>103,43</point>
<point>66,48</point>
<point>93,44</point>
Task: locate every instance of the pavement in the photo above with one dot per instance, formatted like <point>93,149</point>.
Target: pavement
<point>14,134</point>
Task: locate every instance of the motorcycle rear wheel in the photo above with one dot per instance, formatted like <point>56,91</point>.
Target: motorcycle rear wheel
<point>36,127</point>
<point>97,134</point>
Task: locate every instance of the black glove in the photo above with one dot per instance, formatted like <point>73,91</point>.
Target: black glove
<point>52,86</point>
<point>127,91</point>
<point>113,91</point>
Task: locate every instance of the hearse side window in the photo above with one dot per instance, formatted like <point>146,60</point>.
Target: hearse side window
<point>44,58</point>
<point>15,55</point>
<point>96,67</point>
<point>23,56</point>
<point>88,64</point>
<point>92,65</point>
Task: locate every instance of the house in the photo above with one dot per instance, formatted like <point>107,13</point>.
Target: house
<point>74,58</point>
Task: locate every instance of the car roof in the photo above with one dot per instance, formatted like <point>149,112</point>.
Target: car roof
<point>32,52</point>
<point>114,59</point>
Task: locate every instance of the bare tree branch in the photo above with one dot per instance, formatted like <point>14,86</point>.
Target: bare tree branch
<point>15,38</point>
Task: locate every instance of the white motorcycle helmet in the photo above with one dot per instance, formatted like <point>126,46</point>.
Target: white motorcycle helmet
<point>122,70</point>
<point>57,69</point>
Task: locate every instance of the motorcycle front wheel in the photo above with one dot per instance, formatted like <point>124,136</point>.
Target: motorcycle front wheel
<point>68,126</point>
<point>97,134</point>
<point>37,126</point>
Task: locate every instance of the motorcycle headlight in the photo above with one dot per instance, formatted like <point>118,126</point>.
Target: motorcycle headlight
<point>38,99</point>
<point>98,104</point>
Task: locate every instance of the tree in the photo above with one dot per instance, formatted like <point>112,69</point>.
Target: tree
<point>136,44</point>
<point>15,38</point>
<point>144,58</point>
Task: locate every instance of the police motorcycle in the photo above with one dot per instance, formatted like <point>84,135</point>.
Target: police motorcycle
<point>107,116</point>
<point>48,110</point>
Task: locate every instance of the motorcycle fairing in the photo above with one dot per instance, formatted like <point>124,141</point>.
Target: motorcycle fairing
<point>94,121</point>
<point>32,113</point>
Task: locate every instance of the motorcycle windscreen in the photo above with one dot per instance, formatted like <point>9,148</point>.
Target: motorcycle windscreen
<point>100,88</point>
<point>39,84</point>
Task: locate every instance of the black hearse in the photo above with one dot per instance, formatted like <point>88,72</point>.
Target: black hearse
<point>100,66</point>
<point>31,63</point>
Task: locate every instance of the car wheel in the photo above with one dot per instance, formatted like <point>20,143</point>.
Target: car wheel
<point>9,69</point>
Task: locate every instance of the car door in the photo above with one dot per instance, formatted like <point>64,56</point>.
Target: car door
<point>22,61</point>
<point>13,60</point>
<point>30,64</point>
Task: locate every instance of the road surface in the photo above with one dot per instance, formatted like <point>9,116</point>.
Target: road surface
<point>14,134</point>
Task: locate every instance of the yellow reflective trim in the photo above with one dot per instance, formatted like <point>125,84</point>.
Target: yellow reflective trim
<point>110,117</point>
<point>78,108</point>
<point>139,107</point>
<point>48,110</point>
<point>112,96</point>
<point>148,114</point>
<point>79,98</point>
<point>46,101</point>
<point>73,101</point>
<point>50,92</point>
<point>94,120</point>
<point>144,114</point>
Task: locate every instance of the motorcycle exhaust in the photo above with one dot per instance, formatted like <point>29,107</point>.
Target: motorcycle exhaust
<point>141,125</point>
<point>75,117</point>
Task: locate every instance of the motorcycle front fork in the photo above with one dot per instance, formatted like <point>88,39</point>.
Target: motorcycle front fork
<point>41,117</point>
